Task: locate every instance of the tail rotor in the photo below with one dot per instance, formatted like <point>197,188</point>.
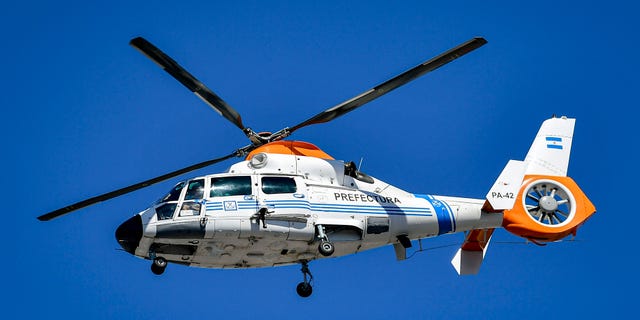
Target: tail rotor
<point>549,203</point>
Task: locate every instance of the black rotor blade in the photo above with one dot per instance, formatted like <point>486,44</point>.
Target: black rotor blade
<point>131,188</point>
<point>392,84</point>
<point>188,80</point>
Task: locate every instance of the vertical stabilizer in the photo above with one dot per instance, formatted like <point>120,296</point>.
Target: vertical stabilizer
<point>549,153</point>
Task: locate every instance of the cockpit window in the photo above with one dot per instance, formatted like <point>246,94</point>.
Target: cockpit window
<point>195,189</point>
<point>273,185</point>
<point>166,211</point>
<point>174,194</point>
<point>230,186</point>
<point>190,208</point>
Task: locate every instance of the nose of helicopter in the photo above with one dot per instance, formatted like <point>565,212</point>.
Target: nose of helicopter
<point>129,234</point>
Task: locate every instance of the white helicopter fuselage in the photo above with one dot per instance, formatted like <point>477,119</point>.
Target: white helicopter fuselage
<point>216,221</point>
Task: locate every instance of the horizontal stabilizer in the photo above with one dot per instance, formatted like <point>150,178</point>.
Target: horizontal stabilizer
<point>469,257</point>
<point>503,194</point>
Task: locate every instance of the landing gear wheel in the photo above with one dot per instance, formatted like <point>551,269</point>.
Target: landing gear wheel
<point>304,289</point>
<point>326,248</point>
<point>159,265</point>
<point>157,270</point>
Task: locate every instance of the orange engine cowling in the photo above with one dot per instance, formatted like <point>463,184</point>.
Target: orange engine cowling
<point>548,208</point>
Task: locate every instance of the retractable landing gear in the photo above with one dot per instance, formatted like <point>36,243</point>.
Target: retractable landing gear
<point>304,288</point>
<point>159,265</point>
<point>325,248</point>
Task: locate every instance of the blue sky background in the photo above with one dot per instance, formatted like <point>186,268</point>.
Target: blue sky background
<point>84,113</point>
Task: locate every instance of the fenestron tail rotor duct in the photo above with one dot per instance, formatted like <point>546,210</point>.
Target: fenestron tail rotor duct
<point>549,203</point>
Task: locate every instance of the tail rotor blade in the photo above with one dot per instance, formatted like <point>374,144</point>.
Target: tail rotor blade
<point>188,80</point>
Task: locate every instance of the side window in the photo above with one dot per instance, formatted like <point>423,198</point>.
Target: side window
<point>195,189</point>
<point>190,208</point>
<point>273,185</point>
<point>166,211</point>
<point>230,186</point>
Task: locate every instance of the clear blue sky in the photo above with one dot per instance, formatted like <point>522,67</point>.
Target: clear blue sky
<point>85,113</point>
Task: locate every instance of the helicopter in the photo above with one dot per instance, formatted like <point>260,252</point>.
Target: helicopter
<point>288,202</point>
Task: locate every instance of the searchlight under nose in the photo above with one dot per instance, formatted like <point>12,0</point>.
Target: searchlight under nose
<point>129,234</point>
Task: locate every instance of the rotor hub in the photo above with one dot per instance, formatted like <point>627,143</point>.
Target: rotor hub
<point>548,203</point>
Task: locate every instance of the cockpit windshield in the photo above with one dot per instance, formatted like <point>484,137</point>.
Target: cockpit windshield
<point>195,190</point>
<point>174,194</point>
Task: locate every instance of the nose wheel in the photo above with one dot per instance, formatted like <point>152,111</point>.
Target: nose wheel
<point>304,288</point>
<point>159,265</point>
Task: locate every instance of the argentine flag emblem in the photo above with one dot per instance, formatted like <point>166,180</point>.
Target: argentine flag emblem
<point>554,143</point>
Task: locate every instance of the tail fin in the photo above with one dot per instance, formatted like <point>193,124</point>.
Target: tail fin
<point>549,205</point>
<point>550,151</point>
<point>548,156</point>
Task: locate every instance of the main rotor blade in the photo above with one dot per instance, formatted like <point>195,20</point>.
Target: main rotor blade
<point>131,188</point>
<point>188,80</point>
<point>392,84</point>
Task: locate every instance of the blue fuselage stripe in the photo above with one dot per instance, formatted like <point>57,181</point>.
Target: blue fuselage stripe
<point>446,221</point>
<point>323,207</point>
